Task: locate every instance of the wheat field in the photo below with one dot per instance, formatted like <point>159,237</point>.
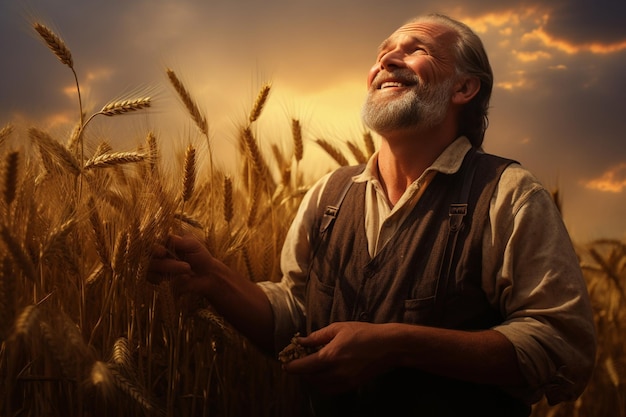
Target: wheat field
<point>83,333</point>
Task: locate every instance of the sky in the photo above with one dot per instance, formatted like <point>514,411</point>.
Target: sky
<point>557,106</point>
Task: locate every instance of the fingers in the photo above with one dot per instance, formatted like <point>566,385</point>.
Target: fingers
<point>320,337</point>
<point>326,376</point>
<point>183,244</point>
<point>306,365</point>
<point>165,266</point>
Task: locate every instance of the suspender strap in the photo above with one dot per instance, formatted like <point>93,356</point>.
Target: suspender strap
<point>457,213</point>
<point>334,193</point>
<point>331,211</point>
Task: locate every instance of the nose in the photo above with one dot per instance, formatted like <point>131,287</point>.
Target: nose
<point>391,59</point>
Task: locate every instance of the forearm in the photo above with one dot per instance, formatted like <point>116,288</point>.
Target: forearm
<point>485,357</point>
<point>244,305</point>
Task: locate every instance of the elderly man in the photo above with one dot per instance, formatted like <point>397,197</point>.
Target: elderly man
<point>437,280</point>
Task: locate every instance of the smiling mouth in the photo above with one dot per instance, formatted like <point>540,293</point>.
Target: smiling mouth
<point>391,84</point>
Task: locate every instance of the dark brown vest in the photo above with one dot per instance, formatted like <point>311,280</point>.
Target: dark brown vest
<point>408,282</point>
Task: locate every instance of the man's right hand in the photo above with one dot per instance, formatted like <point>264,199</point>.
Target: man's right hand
<point>186,261</point>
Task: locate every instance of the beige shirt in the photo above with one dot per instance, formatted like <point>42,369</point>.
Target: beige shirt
<point>530,272</point>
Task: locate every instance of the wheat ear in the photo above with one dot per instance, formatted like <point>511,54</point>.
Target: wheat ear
<point>259,103</point>
<point>189,179</point>
<point>357,153</point>
<point>253,206</point>
<point>153,151</point>
<point>333,152</point>
<point>125,106</point>
<point>20,257</point>
<point>228,199</point>
<point>56,242</point>
<point>101,377</point>
<point>189,103</point>
<point>121,355</point>
<point>10,177</point>
<point>53,148</point>
<point>113,159</point>
<point>137,393</point>
<point>5,132</point>
<point>25,321</point>
<point>102,247</point>
<point>55,44</point>
<point>296,132</point>
<point>369,143</point>
<point>253,152</point>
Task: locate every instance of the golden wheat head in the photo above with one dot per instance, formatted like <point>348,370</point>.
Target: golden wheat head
<point>125,106</point>
<point>55,44</point>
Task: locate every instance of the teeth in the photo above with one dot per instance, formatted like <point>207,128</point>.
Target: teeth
<point>391,84</point>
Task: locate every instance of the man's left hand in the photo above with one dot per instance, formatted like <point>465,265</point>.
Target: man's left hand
<point>351,354</point>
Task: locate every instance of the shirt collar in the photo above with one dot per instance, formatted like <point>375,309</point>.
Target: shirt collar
<point>448,162</point>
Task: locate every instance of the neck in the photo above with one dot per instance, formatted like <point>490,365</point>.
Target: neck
<point>405,154</point>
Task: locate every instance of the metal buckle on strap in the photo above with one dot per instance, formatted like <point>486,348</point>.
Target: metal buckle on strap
<point>330,213</point>
<point>457,212</point>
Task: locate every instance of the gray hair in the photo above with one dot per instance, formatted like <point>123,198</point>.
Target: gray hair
<point>470,59</point>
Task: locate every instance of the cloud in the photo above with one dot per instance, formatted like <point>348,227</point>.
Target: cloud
<point>587,21</point>
<point>549,41</point>
<point>612,181</point>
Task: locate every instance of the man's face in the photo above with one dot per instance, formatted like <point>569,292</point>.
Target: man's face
<point>410,84</point>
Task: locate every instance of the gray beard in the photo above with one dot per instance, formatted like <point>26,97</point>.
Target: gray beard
<point>423,106</point>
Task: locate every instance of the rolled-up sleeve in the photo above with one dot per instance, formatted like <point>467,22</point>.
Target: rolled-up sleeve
<point>539,289</point>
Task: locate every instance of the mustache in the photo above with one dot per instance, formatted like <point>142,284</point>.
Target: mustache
<point>402,75</point>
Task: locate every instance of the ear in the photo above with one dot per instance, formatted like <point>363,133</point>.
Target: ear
<point>465,89</point>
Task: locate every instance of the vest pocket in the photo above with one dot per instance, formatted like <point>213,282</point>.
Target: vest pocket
<point>319,302</point>
<point>419,310</point>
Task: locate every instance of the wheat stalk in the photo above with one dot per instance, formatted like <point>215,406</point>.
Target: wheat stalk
<point>55,44</point>
<point>168,305</point>
<point>333,152</point>
<point>189,103</point>
<point>253,206</point>
<point>259,103</point>
<point>113,159</point>
<point>10,177</point>
<point>125,106</point>
<point>7,298</point>
<point>283,164</point>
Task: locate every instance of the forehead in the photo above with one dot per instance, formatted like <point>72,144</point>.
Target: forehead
<point>435,35</point>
